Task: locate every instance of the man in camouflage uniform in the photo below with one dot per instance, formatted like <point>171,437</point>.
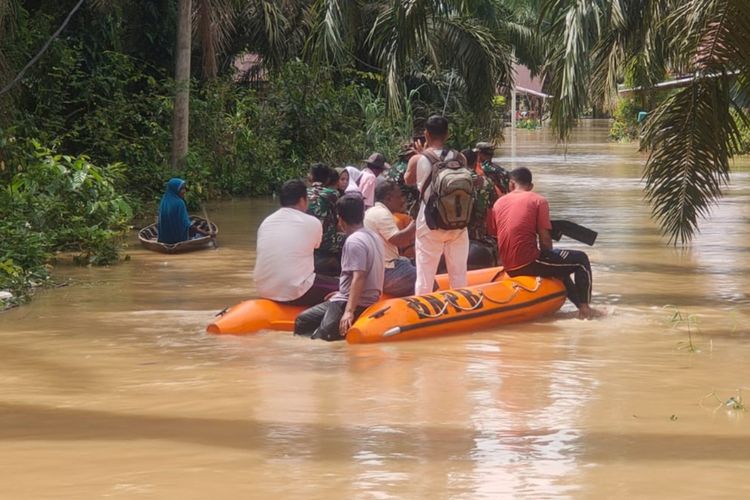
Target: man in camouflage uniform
<point>396,174</point>
<point>497,174</point>
<point>321,204</point>
<point>490,182</point>
<point>484,198</point>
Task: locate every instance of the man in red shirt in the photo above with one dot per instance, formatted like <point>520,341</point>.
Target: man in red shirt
<point>520,219</point>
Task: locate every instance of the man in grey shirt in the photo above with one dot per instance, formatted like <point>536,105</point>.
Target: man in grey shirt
<point>361,282</point>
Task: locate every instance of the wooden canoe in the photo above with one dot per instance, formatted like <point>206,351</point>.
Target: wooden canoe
<point>148,237</point>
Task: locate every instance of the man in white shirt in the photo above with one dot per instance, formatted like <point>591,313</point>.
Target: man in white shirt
<point>374,166</point>
<point>431,244</point>
<point>400,274</point>
<point>284,262</point>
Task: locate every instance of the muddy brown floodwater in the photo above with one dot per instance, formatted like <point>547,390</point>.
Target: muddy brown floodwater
<point>109,388</point>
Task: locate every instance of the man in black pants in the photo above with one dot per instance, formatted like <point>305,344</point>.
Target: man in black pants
<point>361,282</point>
<point>521,219</point>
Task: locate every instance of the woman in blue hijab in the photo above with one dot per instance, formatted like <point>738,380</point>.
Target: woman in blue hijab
<point>174,222</point>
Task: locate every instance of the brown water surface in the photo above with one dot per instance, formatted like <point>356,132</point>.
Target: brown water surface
<point>111,389</point>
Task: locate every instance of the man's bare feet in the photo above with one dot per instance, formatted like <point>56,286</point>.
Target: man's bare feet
<point>584,311</point>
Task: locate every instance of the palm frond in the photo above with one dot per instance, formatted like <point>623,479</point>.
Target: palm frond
<point>213,26</point>
<point>268,29</point>
<point>574,28</point>
<point>327,38</point>
<point>400,33</point>
<point>8,9</point>
<point>478,56</point>
<point>446,35</point>
<point>528,46</point>
<point>692,135</point>
<point>632,47</point>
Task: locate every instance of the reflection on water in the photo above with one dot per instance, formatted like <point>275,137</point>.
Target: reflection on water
<point>110,388</point>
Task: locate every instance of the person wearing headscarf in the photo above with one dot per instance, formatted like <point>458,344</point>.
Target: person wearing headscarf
<point>174,223</point>
<point>354,176</point>
<point>343,182</point>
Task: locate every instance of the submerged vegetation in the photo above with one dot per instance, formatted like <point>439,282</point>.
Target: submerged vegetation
<point>732,403</point>
<point>689,322</point>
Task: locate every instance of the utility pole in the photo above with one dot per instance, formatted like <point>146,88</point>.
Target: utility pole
<point>513,107</point>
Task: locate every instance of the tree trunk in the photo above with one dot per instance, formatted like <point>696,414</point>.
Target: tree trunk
<point>181,121</point>
<point>207,33</point>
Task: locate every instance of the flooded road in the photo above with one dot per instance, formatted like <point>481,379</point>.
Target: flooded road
<point>109,388</point>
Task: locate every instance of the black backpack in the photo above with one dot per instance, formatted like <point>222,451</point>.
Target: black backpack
<point>451,192</point>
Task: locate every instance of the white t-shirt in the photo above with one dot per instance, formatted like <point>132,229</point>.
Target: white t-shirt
<point>380,220</point>
<point>284,262</point>
<point>424,167</point>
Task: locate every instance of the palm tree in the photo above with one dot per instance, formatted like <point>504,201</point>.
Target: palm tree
<point>472,41</point>
<point>217,23</point>
<point>181,117</point>
<point>214,26</point>
<point>693,133</point>
<point>7,17</point>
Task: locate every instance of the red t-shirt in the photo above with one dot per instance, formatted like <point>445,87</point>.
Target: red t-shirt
<point>517,218</point>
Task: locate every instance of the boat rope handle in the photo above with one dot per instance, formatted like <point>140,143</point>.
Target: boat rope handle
<point>423,314</point>
<point>532,290</point>
<point>501,302</point>
<point>454,303</point>
<point>516,288</point>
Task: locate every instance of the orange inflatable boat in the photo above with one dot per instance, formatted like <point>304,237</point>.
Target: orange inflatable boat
<point>506,300</point>
<point>254,315</point>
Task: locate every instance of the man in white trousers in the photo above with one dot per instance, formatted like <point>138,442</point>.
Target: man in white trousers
<point>431,244</point>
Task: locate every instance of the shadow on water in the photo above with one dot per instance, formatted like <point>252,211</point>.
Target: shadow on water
<point>65,377</point>
<point>41,423</point>
<point>34,422</point>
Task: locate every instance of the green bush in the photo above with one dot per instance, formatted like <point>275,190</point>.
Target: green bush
<point>528,123</point>
<point>57,203</point>
<point>234,142</point>
<point>115,109</point>
<point>321,121</point>
<point>744,129</point>
<point>245,143</point>
<point>625,127</point>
